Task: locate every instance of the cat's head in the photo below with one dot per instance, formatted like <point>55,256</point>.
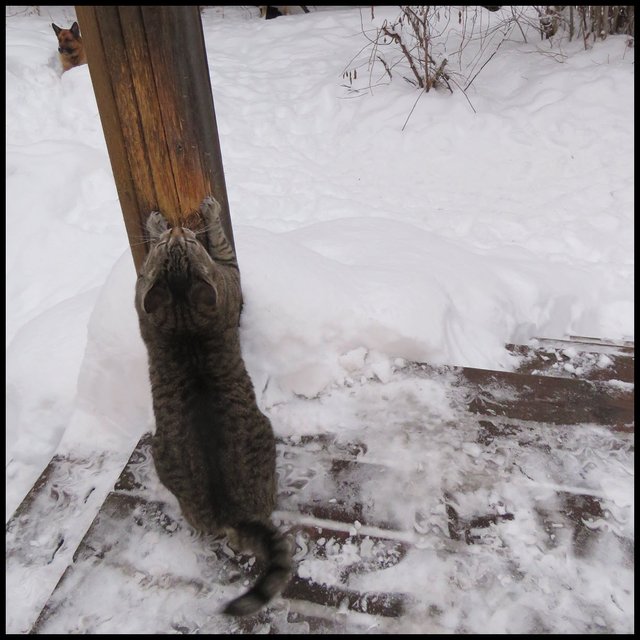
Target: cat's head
<point>178,286</point>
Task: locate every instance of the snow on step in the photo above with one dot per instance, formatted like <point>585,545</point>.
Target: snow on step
<point>47,527</point>
<point>493,505</point>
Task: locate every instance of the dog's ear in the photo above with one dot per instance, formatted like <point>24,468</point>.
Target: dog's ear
<point>56,28</point>
<point>75,29</point>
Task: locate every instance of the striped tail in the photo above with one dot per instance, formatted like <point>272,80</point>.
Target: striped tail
<point>264,538</point>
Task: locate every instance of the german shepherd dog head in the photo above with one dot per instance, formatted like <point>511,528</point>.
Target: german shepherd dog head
<point>70,47</point>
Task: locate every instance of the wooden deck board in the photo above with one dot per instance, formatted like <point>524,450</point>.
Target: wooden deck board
<point>527,417</point>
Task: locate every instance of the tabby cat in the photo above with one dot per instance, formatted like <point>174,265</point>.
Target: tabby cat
<point>213,448</point>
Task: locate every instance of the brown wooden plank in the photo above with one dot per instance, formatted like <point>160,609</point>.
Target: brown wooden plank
<point>60,491</point>
<point>521,433</point>
<point>154,97</point>
<point>463,528</point>
<point>602,341</point>
<point>113,96</point>
<point>517,412</point>
<point>107,541</point>
<point>383,604</point>
<point>306,481</point>
<point>545,399</point>
<point>585,343</point>
<point>554,362</point>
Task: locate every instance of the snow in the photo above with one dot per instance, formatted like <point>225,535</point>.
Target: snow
<point>361,245</point>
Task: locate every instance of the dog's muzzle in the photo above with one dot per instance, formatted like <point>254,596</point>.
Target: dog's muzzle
<point>63,50</point>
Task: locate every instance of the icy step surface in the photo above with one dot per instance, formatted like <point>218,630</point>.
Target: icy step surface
<point>514,512</point>
<point>48,526</point>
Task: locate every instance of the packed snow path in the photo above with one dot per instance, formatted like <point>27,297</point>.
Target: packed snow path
<point>514,515</point>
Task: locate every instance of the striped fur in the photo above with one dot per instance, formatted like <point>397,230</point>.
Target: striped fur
<point>213,448</point>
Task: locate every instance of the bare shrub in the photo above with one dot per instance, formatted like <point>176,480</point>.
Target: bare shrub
<point>587,22</point>
<point>428,46</point>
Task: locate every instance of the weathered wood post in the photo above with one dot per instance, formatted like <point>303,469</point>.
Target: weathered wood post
<point>149,71</point>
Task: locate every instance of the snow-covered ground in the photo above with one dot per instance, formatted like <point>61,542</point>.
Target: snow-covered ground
<point>359,243</point>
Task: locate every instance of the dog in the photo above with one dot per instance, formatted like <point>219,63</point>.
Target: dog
<point>70,48</point>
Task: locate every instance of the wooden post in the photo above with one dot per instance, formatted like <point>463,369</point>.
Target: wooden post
<point>149,71</point>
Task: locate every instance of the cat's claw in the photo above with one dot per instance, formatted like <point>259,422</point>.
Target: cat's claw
<point>156,225</point>
<point>210,209</point>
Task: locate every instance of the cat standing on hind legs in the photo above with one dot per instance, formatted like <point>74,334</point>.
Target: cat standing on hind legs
<point>213,448</point>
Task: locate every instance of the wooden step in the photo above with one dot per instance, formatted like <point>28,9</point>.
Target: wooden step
<point>139,568</point>
<point>586,361</point>
<point>48,526</point>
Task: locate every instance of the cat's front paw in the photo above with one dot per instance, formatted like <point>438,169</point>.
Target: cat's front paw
<point>156,225</point>
<point>210,209</point>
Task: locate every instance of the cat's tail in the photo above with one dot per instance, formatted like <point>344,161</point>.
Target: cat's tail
<point>265,539</point>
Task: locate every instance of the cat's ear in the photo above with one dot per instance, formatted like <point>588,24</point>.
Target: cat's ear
<point>156,225</point>
<point>204,294</point>
<point>155,298</point>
